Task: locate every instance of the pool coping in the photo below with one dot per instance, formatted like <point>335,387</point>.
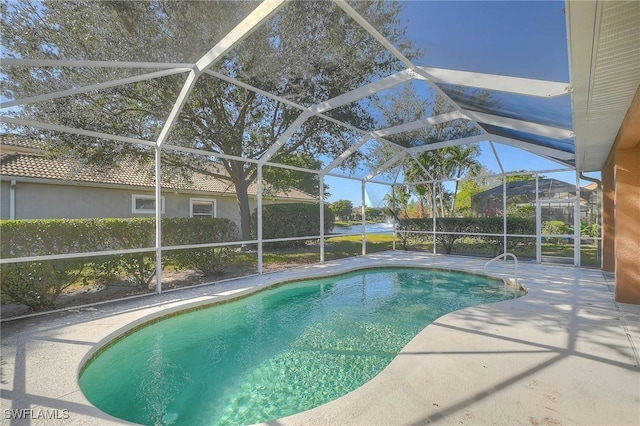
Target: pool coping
<point>41,356</point>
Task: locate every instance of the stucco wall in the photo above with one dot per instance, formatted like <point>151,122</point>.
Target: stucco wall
<point>4,200</point>
<point>47,201</point>
<point>627,225</point>
<point>625,220</point>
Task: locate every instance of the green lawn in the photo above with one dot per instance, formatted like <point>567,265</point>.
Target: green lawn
<point>475,247</point>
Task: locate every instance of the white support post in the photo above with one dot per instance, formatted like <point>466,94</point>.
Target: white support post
<point>393,244</point>
<point>158,160</point>
<point>321,178</point>
<point>576,224</point>
<point>364,221</point>
<point>259,210</point>
<point>434,211</point>
<point>538,222</point>
<point>12,200</point>
<point>504,212</point>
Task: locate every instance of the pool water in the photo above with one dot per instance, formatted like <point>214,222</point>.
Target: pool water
<point>278,352</point>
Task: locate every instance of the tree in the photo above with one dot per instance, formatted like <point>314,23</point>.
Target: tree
<point>460,160</point>
<point>522,175</point>
<point>397,202</point>
<point>308,52</point>
<point>374,213</point>
<point>470,187</point>
<point>342,209</point>
<point>407,105</point>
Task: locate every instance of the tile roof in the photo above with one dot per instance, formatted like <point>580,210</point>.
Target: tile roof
<point>13,142</point>
<point>17,164</point>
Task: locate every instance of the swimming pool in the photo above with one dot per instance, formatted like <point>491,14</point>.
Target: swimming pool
<point>277,352</point>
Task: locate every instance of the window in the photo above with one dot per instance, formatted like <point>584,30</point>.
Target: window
<point>203,207</point>
<point>145,204</point>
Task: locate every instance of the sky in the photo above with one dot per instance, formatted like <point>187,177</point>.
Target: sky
<point>516,38</point>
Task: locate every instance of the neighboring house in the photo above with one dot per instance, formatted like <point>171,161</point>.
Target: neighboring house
<point>35,187</point>
<point>553,194</point>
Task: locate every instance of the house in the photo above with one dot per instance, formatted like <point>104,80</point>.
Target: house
<point>33,186</point>
<point>555,198</point>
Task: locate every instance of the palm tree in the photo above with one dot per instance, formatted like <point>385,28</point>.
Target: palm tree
<point>459,161</point>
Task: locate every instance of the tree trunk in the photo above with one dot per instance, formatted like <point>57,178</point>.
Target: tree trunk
<point>455,194</point>
<point>441,190</point>
<point>453,201</point>
<point>244,209</point>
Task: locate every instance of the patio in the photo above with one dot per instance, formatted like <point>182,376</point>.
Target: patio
<point>566,353</point>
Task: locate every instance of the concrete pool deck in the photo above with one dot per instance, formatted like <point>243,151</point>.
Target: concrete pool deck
<point>566,353</point>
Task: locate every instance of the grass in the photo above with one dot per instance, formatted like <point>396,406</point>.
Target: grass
<point>473,247</point>
<point>335,248</point>
<point>241,263</point>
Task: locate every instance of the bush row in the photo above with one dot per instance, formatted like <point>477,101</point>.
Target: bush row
<point>463,226</point>
<point>38,284</point>
<point>291,220</point>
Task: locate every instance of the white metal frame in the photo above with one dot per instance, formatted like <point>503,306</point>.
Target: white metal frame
<point>264,11</point>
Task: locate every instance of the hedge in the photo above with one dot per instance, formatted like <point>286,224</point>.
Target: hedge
<point>291,220</point>
<point>472,225</point>
<point>38,284</point>
<point>183,231</point>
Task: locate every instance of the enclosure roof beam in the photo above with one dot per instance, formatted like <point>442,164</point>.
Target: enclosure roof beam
<point>445,144</point>
<point>418,124</point>
<point>244,85</point>
<point>74,63</point>
<point>551,153</point>
<point>415,158</point>
<point>261,13</point>
<point>98,86</point>
<point>209,154</point>
<point>495,153</point>
<point>364,91</point>
<point>257,17</point>
<point>74,131</point>
<point>522,86</point>
<point>387,164</point>
<point>520,125</point>
<point>375,33</point>
<point>342,157</point>
<point>427,77</point>
<point>177,107</point>
<point>285,136</point>
<point>382,40</point>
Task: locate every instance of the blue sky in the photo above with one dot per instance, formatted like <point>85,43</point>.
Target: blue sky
<point>516,38</point>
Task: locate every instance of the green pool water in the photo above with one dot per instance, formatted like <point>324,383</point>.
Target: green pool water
<point>278,352</point>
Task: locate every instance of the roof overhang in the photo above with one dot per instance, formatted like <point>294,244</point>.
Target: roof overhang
<point>604,55</point>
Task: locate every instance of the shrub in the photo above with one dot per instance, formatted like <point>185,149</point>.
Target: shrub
<point>38,284</point>
<point>461,227</point>
<point>556,227</point>
<point>291,220</point>
<point>589,230</point>
<point>118,234</point>
<point>177,231</point>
